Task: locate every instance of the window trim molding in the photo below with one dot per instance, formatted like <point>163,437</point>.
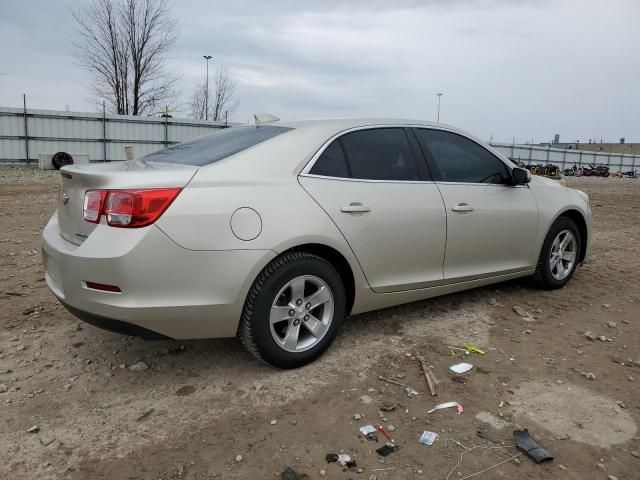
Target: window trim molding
<point>365,180</point>
<point>476,184</point>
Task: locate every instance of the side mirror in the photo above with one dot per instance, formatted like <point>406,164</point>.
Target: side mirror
<point>520,176</point>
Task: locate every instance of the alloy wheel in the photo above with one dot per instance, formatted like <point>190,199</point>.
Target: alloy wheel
<point>301,313</point>
<point>563,255</point>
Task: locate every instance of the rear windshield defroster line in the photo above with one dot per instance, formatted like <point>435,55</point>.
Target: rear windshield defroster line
<point>216,146</point>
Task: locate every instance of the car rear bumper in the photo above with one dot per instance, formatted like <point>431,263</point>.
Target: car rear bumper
<point>111,325</point>
<point>165,289</point>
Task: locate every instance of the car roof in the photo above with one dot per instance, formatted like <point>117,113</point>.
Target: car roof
<point>306,137</point>
<point>324,129</point>
<point>340,124</point>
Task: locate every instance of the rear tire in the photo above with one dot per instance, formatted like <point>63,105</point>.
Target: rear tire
<point>559,256</point>
<point>293,311</point>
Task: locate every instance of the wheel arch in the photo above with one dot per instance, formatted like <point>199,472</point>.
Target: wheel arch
<point>578,218</point>
<point>339,262</point>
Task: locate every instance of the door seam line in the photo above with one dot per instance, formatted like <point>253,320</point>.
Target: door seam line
<point>446,229</point>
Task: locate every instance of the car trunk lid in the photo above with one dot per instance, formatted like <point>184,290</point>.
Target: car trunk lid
<point>77,179</point>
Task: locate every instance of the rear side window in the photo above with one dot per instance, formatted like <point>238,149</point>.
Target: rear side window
<point>332,162</point>
<point>380,154</point>
<point>216,146</point>
<point>459,159</point>
<point>372,154</point>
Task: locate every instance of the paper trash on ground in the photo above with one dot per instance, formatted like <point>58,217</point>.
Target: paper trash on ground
<point>461,367</point>
<point>428,437</point>
<point>441,406</point>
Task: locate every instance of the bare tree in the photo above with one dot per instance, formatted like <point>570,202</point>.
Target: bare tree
<point>222,96</point>
<point>123,44</point>
<point>198,101</point>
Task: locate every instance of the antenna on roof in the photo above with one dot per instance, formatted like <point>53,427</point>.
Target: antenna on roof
<point>262,118</point>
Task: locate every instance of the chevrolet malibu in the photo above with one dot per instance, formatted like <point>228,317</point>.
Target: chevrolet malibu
<point>276,232</point>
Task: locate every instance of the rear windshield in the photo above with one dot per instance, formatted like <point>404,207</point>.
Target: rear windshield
<point>216,146</point>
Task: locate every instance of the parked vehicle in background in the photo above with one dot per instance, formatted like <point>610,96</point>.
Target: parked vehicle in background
<point>277,232</point>
<point>549,170</point>
<point>589,171</point>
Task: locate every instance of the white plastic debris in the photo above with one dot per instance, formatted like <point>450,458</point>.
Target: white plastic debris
<point>410,392</point>
<point>343,458</point>
<point>461,367</point>
<point>428,437</point>
<point>441,406</point>
<point>367,430</point>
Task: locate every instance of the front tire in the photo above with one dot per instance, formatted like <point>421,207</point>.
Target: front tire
<point>559,256</point>
<point>293,310</point>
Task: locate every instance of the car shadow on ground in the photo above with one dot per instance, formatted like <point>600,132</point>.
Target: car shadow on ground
<point>200,357</point>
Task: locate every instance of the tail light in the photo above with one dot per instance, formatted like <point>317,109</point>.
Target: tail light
<point>92,206</point>
<point>128,208</point>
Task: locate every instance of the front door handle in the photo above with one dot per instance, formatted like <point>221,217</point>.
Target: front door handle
<point>462,207</point>
<point>355,207</point>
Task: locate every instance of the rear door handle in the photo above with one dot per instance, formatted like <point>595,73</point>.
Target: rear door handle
<point>355,207</point>
<point>462,207</point>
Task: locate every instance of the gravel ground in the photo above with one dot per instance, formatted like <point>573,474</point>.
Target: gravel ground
<point>207,409</point>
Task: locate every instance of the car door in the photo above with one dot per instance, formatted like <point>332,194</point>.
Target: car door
<point>380,196</point>
<point>491,224</point>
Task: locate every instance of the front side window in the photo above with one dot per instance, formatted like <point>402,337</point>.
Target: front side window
<point>459,159</point>
<point>372,154</point>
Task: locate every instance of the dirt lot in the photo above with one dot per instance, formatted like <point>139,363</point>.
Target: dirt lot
<point>207,409</point>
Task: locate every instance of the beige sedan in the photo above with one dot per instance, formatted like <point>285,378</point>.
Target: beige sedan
<point>277,232</point>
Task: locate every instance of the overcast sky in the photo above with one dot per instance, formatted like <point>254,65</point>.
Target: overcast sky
<point>523,68</point>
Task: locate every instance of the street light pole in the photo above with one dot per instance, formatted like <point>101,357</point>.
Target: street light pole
<point>206,98</point>
<point>439,95</point>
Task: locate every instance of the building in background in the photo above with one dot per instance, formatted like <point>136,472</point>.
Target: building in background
<point>622,147</point>
<point>625,148</point>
